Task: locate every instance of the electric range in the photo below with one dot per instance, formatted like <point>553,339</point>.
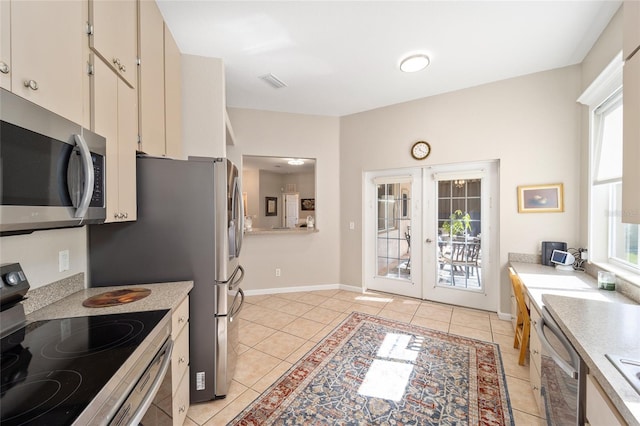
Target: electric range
<point>83,370</point>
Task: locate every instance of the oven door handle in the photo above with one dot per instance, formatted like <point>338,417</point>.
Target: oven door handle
<point>155,386</point>
<point>564,365</point>
<point>87,167</point>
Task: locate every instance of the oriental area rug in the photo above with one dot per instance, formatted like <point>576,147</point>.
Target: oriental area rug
<point>375,371</point>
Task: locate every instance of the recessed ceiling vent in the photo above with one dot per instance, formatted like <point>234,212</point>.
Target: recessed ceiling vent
<point>273,81</point>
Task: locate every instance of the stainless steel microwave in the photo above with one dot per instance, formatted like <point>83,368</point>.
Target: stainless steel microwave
<point>52,170</point>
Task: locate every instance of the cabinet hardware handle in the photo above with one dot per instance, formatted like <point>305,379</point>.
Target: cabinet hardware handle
<point>125,215</point>
<point>116,215</point>
<point>116,61</point>
<point>4,68</point>
<point>181,360</point>
<point>181,319</point>
<point>535,352</point>
<point>181,409</point>
<point>535,388</point>
<point>123,68</point>
<point>31,84</point>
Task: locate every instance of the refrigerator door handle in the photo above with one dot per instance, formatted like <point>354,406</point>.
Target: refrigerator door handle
<point>238,216</point>
<point>234,312</point>
<point>233,282</point>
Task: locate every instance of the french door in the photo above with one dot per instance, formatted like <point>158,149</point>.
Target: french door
<point>393,223</point>
<point>460,235</point>
<point>430,233</point>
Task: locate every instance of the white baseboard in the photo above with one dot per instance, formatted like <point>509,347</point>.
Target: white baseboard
<point>297,289</point>
<point>506,316</point>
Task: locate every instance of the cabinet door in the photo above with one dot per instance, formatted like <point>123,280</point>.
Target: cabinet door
<point>631,141</point>
<point>631,34</point>
<point>127,145</point>
<point>5,45</point>
<point>173,95</point>
<point>115,35</point>
<point>46,54</point>
<point>151,78</point>
<point>104,121</point>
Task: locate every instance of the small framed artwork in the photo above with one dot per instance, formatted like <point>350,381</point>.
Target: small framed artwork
<point>271,206</point>
<point>307,203</point>
<point>541,198</point>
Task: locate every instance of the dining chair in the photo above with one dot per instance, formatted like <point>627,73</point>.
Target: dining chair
<point>523,321</point>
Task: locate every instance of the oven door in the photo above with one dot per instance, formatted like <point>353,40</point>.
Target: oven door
<point>562,375</point>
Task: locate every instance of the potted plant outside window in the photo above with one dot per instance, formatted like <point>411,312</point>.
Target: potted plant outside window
<point>458,223</point>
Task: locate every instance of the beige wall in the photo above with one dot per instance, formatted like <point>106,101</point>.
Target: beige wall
<point>531,124</point>
<point>310,259</point>
<point>37,253</point>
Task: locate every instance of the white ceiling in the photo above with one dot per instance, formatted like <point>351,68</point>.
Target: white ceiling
<point>339,57</point>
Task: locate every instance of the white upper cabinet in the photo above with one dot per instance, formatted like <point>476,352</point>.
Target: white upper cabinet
<point>151,79</point>
<point>42,53</point>
<point>631,18</point>
<point>631,114</point>
<point>5,45</point>
<point>172,95</point>
<point>114,35</point>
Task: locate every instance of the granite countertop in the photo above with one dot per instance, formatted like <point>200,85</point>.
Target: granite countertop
<point>163,296</point>
<point>596,328</point>
<point>273,231</point>
<point>540,279</point>
<point>595,321</point>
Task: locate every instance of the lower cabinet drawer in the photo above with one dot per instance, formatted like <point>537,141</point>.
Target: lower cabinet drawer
<point>181,401</point>
<point>179,318</point>
<point>179,358</point>
<point>535,380</point>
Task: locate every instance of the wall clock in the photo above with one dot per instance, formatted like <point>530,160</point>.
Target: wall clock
<point>420,150</point>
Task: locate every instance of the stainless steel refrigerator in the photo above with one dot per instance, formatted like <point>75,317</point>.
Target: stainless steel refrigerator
<point>189,227</point>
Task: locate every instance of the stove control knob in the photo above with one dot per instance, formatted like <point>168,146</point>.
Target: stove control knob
<point>12,278</point>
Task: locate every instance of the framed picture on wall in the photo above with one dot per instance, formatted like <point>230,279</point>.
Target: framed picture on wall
<point>271,206</point>
<point>308,204</point>
<point>541,198</point>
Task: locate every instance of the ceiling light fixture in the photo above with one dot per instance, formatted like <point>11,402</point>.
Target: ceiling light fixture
<point>296,162</point>
<point>273,81</point>
<point>413,63</point>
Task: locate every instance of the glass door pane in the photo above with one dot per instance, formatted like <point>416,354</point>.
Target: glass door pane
<point>459,234</point>
<point>393,242</point>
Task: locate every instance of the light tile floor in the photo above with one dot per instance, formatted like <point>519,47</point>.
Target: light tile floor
<point>277,330</point>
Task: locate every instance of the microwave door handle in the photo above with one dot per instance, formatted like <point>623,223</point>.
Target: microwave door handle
<point>564,365</point>
<point>87,167</point>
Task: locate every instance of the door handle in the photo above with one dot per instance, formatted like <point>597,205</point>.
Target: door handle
<point>428,240</point>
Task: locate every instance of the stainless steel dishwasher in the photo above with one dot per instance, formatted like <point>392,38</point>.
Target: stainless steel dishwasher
<point>563,375</point>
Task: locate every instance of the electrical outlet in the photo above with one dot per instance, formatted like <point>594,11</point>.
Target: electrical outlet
<point>63,260</point>
<point>278,272</point>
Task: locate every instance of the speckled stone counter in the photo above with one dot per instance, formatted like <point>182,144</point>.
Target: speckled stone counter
<point>596,322</point>
<point>163,296</point>
<point>540,279</point>
<point>596,328</point>
<point>285,231</point>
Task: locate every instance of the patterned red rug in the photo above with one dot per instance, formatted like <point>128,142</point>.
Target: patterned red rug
<point>375,371</point>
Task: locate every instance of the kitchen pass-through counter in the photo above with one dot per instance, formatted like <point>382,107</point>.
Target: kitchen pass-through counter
<point>596,322</point>
<point>162,296</point>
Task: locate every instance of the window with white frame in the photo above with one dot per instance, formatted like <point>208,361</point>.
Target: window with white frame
<point>611,240</point>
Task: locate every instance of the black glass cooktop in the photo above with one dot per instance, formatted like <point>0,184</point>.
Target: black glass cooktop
<point>51,370</point>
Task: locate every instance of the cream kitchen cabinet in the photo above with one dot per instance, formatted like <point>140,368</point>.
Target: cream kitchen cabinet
<point>631,36</point>
<point>172,96</point>
<point>41,54</point>
<point>535,357</point>
<point>114,114</point>
<point>172,401</point>
<point>159,85</point>
<point>631,112</point>
<point>599,409</point>
<point>113,35</point>
<point>151,78</point>
<point>5,45</point>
